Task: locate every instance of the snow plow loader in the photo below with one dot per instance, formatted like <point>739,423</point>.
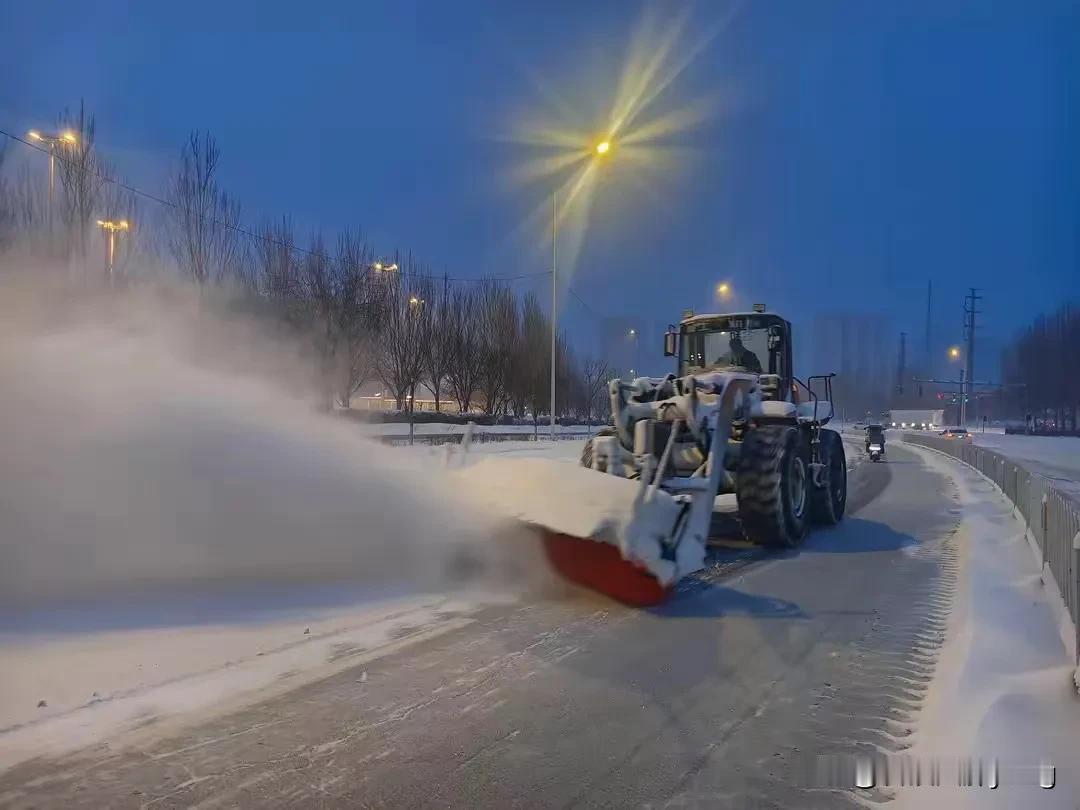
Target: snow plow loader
<point>732,419</point>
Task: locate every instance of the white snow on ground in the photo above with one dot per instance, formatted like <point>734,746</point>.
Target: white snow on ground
<point>1003,685</point>
<point>98,685</point>
<point>1056,457</point>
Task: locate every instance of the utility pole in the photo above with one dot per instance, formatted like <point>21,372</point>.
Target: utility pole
<point>970,312</point>
<point>554,299</point>
<point>901,364</point>
<point>929,347</point>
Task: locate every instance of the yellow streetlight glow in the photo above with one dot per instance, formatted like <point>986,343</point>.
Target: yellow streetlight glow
<point>68,136</point>
<point>414,300</point>
<point>603,147</point>
<point>954,352</point>
<point>34,135</point>
<point>377,266</point>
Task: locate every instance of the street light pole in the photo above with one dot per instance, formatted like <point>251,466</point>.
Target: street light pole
<point>110,229</point>
<point>601,149</point>
<point>554,298</point>
<point>68,137</point>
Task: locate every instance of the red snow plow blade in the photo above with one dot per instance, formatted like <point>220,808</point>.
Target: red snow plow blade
<point>600,567</point>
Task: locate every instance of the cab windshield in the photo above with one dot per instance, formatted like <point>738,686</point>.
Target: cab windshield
<point>737,343</point>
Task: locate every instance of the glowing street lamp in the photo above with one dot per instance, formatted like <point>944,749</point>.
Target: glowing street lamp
<point>65,138</point>
<point>111,228</point>
<point>600,151</point>
<point>954,352</point>
<point>723,291</point>
<point>384,267</point>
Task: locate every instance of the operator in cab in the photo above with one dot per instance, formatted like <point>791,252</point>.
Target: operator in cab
<point>739,356</point>
<point>875,434</point>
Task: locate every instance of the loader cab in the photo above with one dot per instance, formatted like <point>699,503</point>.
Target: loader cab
<point>758,342</point>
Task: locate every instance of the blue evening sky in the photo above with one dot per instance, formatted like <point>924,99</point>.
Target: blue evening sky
<point>852,150</point>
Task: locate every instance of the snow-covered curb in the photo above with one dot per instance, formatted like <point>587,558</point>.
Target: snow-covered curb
<point>1001,686</point>
<point>1066,629</point>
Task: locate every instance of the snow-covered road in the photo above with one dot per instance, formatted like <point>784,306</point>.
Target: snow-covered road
<point>919,620</point>
<point>728,692</point>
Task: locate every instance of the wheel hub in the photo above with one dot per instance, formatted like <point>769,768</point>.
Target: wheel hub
<point>797,484</point>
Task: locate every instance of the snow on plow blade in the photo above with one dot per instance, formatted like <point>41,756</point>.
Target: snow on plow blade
<point>597,530</point>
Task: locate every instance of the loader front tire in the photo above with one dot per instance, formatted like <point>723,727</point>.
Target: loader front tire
<point>772,486</point>
<point>827,503</point>
<point>587,450</point>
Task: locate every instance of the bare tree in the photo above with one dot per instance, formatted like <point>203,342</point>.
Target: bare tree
<point>276,263</point>
<point>8,205</point>
<point>464,348</point>
<point>203,240</point>
<point>535,356</point>
<point>360,311</point>
<point>401,354</point>
<point>438,344</point>
<point>498,327</point>
<point>81,172</point>
<point>1036,367</point>
<point>319,294</point>
<point>595,375</point>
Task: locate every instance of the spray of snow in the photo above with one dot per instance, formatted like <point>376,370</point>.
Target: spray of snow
<point>181,526</point>
<point>140,451</point>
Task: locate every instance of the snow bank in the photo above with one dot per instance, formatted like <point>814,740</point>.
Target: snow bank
<point>1056,457</point>
<point>1003,683</point>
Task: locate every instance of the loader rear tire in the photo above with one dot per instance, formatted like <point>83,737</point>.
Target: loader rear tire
<point>587,450</point>
<point>772,486</point>
<point>827,503</point>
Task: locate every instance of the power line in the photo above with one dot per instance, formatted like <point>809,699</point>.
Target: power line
<point>581,301</point>
<point>253,236</point>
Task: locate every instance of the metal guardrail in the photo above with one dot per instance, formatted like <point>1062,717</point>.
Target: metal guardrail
<point>1052,516</point>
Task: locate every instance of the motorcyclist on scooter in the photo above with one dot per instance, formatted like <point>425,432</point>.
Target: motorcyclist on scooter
<point>875,434</point>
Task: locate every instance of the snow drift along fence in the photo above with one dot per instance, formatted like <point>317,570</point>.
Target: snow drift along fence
<point>1052,516</point>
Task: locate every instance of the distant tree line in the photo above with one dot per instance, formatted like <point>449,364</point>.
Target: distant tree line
<point>474,344</point>
<point>1039,370</point>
